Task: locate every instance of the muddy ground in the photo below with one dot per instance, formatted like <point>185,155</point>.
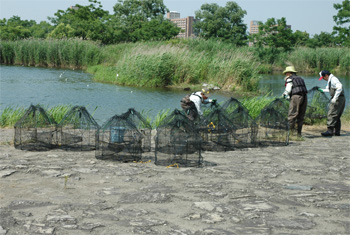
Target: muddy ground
<point>302,188</point>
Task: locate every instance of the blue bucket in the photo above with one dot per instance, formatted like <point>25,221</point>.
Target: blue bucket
<point>117,134</point>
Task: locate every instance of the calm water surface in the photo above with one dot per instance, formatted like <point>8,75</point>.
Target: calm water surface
<point>22,86</point>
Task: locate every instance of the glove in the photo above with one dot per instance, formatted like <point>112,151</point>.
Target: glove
<point>287,97</point>
<point>333,101</point>
<point>320,90</point>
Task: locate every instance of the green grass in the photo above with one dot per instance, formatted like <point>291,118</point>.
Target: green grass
<point>72,53</point>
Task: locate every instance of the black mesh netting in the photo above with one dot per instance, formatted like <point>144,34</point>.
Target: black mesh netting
<point>217,130</point>
<point>119,140</point>
<point>177,142</point>
<point>35,131</point>
<point>317,107</point>
<point>77,130</point>
<point>273,128</point>
<point>144,127</point>
<point>246,129</point>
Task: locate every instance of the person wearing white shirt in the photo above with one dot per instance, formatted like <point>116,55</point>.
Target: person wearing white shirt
<point>337,104</point>
<point>192,108</point>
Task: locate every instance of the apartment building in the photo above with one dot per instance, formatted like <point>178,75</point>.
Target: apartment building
<point>185,24</point>
<point>173,15</point>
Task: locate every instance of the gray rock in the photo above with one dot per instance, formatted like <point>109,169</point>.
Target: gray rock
<point>301,224</point>
<point>6,173</point>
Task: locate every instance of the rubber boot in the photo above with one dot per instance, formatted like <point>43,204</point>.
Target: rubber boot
<point>299,130</point>
<point>337,128</point>
<point>329,132</point>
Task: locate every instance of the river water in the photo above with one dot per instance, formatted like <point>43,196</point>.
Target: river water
<point>22,86</point>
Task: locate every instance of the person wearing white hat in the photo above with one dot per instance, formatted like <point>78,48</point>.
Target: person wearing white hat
<point>337,104</point>
<point>191,104</point>
<point>296,92</point>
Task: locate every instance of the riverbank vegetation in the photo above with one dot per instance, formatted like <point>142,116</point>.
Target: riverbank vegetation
<point>176,62</point>
<point>10,115</point>
<point>137,46</point>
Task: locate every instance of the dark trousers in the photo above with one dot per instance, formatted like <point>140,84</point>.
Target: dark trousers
<point>334,113</point>
<point>297,109</point>
<point>190,110</point>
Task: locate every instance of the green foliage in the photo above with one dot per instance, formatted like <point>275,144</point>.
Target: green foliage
<point>222,23</point>
<point>142,20</point>
<point>158,64</point>
<point>9,116</point>
<point>256,104</point>
<point>62,31</point>
<point>342,20</point>
<point>274,34</point>
<point>71,53</point>
<point>314,60</point>
<point>323,39</point>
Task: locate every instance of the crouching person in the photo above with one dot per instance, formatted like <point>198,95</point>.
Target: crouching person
<point>191,104</point>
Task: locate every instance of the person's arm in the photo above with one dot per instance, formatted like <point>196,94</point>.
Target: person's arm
<point>338,87</point>
<point>288,89</point>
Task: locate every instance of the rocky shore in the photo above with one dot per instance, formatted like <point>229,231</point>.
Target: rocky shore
<point>302,188</point>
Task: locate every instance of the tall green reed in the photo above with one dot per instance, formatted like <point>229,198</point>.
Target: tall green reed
<point>70,53</point>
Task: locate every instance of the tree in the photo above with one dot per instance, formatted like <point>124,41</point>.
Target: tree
<point>274,34</point>
<point>143,20</point>
<point>88,22</point>
<point>342,18</point>
<point>15,29</point>
<point>323,39</point>
<point>300,38</point>
<point>223,23</point>
<point>62,31</point>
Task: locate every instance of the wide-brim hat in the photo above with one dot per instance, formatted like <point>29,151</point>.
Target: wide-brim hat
<point>290,69</point>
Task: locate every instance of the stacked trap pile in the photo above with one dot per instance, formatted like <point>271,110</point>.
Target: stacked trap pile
<point>317,107</point>
<point>177,142</point>
<point>246,129</point>
<point>35,131</point>
<point>142,125</point>
<point>273,127</point>
<point>119,140</point>
<point>217,130</point>
<point>78,130</point>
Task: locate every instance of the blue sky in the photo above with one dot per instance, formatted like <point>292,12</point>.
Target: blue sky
<point>312,16</point>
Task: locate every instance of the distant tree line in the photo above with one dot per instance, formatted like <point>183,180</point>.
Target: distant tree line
<point>144,20</point>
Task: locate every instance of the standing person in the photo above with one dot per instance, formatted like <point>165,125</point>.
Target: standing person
<point>296,92</point>
<point>337,104</point>
<point>191,104</point>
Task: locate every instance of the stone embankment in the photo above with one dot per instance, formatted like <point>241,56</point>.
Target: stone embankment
<point>303,188</point>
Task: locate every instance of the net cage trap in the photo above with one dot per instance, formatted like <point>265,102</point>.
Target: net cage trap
<point>177,142</point>
<point>35,130</point>
<point>317,107</point>
<point>273,127</point>
<point>77,131</point>
<point>245,131</point>
<point>142,125</point>
<point>119,140</point>
<point>216,130</point>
